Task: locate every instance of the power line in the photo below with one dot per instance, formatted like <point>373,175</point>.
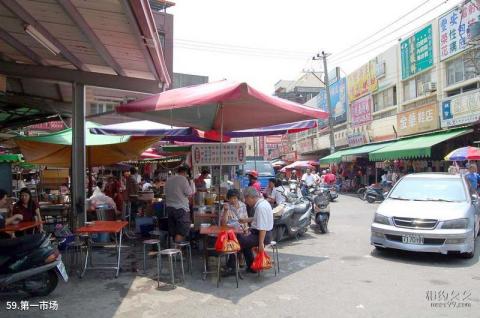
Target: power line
<point>236,52</point>
<point>240,47</point>
<point>381,29</point>
<point>349,56</point>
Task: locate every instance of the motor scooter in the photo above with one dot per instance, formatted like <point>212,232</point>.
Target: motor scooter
<point>321,209</point>
<point>30,264</point>
<point>293,217</point>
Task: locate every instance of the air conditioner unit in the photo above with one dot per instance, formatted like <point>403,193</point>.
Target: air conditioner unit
<point>429,87</point>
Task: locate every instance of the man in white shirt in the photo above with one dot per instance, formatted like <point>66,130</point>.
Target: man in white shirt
<point>261,227</point>
<point>308,180</point>
<point>100,198</point>
<point>178,189</point>
<point>278,195</point>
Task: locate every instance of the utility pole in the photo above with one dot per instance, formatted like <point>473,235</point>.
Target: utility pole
<point>327,95</point>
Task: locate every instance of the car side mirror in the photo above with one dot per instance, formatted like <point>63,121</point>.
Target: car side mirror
<point>475,198</point>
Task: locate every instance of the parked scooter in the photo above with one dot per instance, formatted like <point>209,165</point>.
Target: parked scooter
<point>30,264</point>
<point>292,218</point>
<point>375,193</point>
<point>321,209</point>
<point>330,191</point>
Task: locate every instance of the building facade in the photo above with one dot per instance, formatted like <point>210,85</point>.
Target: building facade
<point>427,83</point>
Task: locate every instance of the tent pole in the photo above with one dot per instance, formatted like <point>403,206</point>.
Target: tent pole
<point>78,151</point>
<point>221,162</point>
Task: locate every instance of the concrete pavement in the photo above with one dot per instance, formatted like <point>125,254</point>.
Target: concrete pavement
<point>333,275</point>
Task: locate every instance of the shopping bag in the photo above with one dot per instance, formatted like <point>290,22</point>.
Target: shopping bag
<point>261,262</point>
<point>227,242</point>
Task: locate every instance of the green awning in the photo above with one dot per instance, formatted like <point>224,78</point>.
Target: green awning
<point>334,157</point>
<point>10,158</point>
<point>365,149</point>
<point>415,147</point>
<point>354,151</point>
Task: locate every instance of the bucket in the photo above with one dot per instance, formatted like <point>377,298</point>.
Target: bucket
<point>103,237</point>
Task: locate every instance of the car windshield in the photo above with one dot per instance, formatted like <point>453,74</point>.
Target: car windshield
<point>425,189</point>
<point>264,168</point>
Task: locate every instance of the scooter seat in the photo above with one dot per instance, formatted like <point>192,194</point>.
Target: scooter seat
<point>301,208</point>
<point>21,244</point>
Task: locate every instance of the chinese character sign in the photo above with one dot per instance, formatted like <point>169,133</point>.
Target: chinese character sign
<point>362,81</point>
<point>454,28</point>
<point>209,154</point>
<point>459,110</point>
<point>418,120</point>
<point>361,111</point>
<point>338,100</point>
<point>417,52</point>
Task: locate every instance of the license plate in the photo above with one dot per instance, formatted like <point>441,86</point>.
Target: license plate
<point>412,239</point>
<point>62,271</point>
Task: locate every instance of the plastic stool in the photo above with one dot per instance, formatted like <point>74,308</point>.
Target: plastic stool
<point>237,267</point>
<point>276,262</point>
<point>171,253</point>
<point>145,243</point>
<point>160,235</point>
<point>188,247</point>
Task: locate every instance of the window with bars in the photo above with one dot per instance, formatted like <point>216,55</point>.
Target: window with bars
<point>385,99</point>
<point>462,68</point>
<point>415,87</point>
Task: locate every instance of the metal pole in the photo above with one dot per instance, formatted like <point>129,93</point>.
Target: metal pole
<point>78,150</point>
<point>221,164</point>
<point>329,105</point>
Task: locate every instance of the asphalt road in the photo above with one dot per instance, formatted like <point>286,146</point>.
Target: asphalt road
<point>333,275</point>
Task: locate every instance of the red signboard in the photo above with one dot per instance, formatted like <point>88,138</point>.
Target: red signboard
<point>50,126</point>
<point>361,111</point>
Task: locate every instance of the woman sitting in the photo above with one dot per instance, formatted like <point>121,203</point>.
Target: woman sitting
<point>27,207</point>
<point>234,211</point>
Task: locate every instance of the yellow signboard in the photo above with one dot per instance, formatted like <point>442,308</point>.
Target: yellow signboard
<point>418,120</point>
<point>362,81</point>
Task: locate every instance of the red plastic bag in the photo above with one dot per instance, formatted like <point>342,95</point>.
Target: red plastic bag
<point>227,242</point>
<point>261,262</point>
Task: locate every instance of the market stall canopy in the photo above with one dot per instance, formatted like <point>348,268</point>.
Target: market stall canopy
<point>151,153</point>
<point>281,129</point>
<point>415,147</point>
<point>354,151</point>
<point>301,164</point>
<point>211,106</point>
<point>167,132</point>
<point>55,149</point>
<point>464,153</point>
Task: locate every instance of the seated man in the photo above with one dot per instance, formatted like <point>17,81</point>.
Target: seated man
<point>260,230</point>
<point>4,220</point>
<point>99,198</point>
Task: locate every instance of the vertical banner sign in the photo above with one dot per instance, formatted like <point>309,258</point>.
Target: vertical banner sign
<point>454,27</point>
<point>338,100</point>
<point>417,52</point>
<point>361,111</point>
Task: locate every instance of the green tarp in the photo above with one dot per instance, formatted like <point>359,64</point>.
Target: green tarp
<point>10,158</point>
<point>64,137</point>
<point>415,147</point>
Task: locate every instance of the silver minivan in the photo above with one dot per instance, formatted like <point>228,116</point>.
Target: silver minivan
<point>428,212</point>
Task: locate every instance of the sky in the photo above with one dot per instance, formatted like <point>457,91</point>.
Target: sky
<point>263,41</point>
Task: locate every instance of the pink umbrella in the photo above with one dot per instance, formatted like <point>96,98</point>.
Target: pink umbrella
<point>302,164</point>
<point>151,153</point>
<point>220,106</point>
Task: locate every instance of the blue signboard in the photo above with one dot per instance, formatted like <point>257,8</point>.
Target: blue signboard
<point>338,100</point>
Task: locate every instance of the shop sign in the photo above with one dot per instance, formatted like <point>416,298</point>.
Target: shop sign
<point>357,139</point>
<point>306,145</point>
<point>362,81</point>
<point>461,109</point>
<point>417,52</point>
<point>338,100</point>
<point>454,28</point>
<point>361,111</point>
<point>209,154</point>
<point>48,126</point>
<point>276,139</point>
<point>291,156</point>
<point>418,120</point>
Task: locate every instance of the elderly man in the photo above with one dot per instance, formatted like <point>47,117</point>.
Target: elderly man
<point>178,189</point>
<point>261,227</point>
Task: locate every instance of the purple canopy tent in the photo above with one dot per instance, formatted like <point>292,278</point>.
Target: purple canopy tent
<point>281,129</point>
<point>149,128</point>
